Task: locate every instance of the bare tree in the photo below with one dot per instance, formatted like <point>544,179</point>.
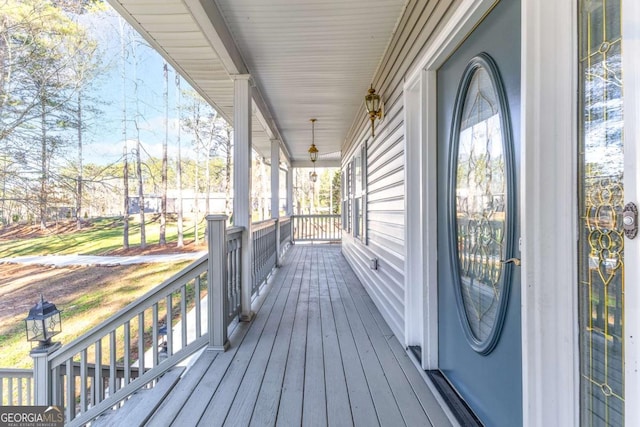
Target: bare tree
<point>163,208</point>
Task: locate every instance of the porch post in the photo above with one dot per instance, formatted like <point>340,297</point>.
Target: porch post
<point>275,192</point>
<point>217,282</point>
<point>242,182</point>
<point>275,178</point>
<point>290,191</point>
<point>42,378</point>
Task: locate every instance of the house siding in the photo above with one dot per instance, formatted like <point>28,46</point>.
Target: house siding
<point>385,171</point>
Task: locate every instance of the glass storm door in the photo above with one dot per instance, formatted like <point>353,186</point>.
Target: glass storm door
<point>601,262</point>
<point>478,226</point>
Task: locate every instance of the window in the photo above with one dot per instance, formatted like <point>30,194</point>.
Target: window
<point>354,195</point>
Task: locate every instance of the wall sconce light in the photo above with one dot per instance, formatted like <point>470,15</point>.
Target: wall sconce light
<point>374,107</point>
<point>43,323</point>
<point>313,150</point>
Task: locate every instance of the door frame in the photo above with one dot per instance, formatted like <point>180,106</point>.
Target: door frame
<point>550,358</point>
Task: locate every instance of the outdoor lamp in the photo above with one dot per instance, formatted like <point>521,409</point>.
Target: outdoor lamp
<point>313,150</point>
<point>374,106</point>
<point>313,176</point>
<point>43,323</point>
<point>162,335</point>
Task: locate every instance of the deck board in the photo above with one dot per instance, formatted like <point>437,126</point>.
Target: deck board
<point>317,353</point>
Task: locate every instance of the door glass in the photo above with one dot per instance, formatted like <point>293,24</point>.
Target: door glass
<point>482,231</point>
<point>601,248</point>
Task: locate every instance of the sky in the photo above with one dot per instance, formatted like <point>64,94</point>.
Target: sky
<point>104,138</point>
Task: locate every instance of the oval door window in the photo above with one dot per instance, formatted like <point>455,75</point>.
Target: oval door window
<point>481,202</point>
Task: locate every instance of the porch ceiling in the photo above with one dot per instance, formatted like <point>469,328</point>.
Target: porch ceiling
<point>307,58</point>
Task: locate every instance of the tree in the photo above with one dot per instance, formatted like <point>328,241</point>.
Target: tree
<point>163,212</point>
<point>40,44</point>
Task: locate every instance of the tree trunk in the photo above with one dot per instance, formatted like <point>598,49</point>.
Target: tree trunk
<point>125,216</point>
<point>125,242</point>
<point>195,196</point>
<point>43,165</point>
<point>227,178</point>
<point>179,173</point>
<point>79,179</point>
<point>163,205</point>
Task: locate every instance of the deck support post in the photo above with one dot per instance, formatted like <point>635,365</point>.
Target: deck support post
<point>275,193</point>
<point>242,183</point>
<point>290,192</point>
<point>42,378</point>
<point>217,304</point>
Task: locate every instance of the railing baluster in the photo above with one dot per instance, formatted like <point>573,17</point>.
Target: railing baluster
<point>70,395</point>
<point>154,331</point>
<point>97,374</point>
<point>29,395</point>
<point>10,391</point>
<point>127,352</point>
<point>19,391</point>
<point>169,324</point>
<point>141,343</point>
<point>196,285</point>
<point>183,315</point>
<point>112,362</point>
<point>84,404</point>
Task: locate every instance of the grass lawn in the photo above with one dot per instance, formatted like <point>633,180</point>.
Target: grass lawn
<point>86,295</point>
<point>98,237</point>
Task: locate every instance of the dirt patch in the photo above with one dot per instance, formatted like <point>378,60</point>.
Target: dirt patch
<point>21,285</point>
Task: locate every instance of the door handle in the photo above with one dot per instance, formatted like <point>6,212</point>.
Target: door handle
<point>515,261</point>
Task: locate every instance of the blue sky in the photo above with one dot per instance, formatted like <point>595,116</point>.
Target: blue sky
<point>104,139</point>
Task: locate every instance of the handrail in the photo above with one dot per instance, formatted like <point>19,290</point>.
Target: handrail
<point>100,370</point>
<point>317,227</point>
<point>19,387</point>
<point>86,391</point>
<point>63,353</point>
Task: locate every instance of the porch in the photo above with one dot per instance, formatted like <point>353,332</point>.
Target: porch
<point>318,352</point>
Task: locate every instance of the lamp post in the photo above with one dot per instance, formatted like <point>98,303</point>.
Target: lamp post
<point>42,324</point>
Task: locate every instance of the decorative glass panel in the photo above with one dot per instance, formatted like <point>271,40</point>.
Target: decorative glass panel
<point>601,195</point>
<point>482,229</point>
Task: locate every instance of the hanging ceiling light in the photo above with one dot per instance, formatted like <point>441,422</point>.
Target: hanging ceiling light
<point>373,104</point>
<point>313,150</point>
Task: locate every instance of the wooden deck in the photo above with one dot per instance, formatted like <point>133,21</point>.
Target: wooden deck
<point>317,353</point>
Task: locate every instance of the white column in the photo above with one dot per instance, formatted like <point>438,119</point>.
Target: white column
<point>242,182</point>
<point>42,379</point>
<point>275,178</point>
<point>275,193</point>
<point>217,303</point>
<point>290,191</point>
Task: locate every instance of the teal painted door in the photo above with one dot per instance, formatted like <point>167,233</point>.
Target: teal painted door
<point>478,222</point>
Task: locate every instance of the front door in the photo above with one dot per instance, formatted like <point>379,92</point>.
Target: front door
<point>478,225</point>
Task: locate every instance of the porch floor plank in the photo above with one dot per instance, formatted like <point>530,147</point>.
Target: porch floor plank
<point>317,353</point>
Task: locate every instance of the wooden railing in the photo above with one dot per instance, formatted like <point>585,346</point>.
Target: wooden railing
<point>324,228</point>
<point>265,252</point>
<point>286,225</point>
<point>137,345</point>
<point>16,387</point>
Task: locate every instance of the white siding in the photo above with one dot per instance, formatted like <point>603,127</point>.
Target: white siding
<point>385,164</point>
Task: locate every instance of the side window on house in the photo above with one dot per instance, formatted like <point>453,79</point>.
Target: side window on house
<point>357,196</point>
<point>346,198</point>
